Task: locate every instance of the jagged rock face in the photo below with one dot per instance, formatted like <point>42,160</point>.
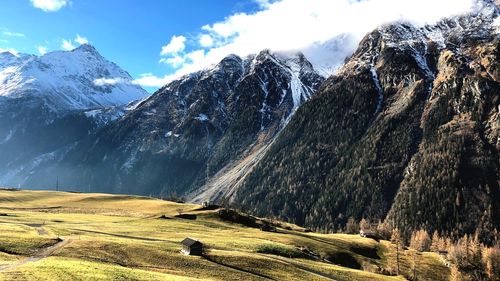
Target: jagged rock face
<point>191,128</point>
<point>407,130</point>
<point>49,103</point>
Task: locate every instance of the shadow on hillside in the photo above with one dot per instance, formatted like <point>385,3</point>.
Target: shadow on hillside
<point>368,252</point>
<point>343,259</point>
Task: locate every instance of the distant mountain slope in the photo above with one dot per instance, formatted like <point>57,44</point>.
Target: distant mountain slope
<point>408,130</point>
<point>192,128</point>
<point>48,103</point>
<point>67,80</point>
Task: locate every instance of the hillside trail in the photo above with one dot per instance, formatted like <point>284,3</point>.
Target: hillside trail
<point>208,258</point>
<point>37,256</point>
<point>311,271</point>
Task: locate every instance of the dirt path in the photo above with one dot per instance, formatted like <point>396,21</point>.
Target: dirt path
<point>238,269</point>
<point>122,235</point>
<point>38,256</point>
<point>303,268</point>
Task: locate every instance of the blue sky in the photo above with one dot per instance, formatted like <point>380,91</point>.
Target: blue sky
<point>128,32</point>
<point>157,41</point>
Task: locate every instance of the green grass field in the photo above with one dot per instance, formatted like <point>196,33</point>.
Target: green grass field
<point>48,235</point>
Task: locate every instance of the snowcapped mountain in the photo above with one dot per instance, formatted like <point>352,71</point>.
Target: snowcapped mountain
<point>67,80</point>
<point>203,124</point>
<point>49,103</point>
<point>407,131</point>
<point>412,113</point>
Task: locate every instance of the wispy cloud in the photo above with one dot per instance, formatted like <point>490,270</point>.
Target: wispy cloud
<point>13,34</point>
<point>49,5</point>
<point>263,3</point>
<point>81,40</point>
<point>174,61</point>
<point>206,40</point>
<point>151,80</point>
<point>177,44</point>
<point>297,25</point>
<point>69,45</point>
<point>42,50</point>
<point>110,81</point>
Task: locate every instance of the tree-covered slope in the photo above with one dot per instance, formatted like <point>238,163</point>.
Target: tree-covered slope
<point>408,127</point>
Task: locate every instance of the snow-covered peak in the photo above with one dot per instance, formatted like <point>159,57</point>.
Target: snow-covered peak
<point>477,23</point>
<point>453,33</point>
<point>65,80</point>
<point>231,58</point>
<point>230,64</point>
<point>86,48</point>
<point>8,59</point>
<point>7,56</point>
<point>296,62</point>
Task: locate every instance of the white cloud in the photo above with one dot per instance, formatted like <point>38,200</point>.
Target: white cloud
<point>10,50</point>
<point>174,61</point>
<point>297,25</point>
<point>110,81</point>
<point>67,45</point>
<point>49,5</point>
<point>177,44</point>
<point>42,50</point>
<point>81,40</point>
<point>263,3</point>
<point>206,40</point>
<point>13,34</point>
<point>150,80</point>
<point>195,56</point>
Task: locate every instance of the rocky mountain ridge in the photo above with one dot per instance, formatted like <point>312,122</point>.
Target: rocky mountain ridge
<point>407,132</point>
<point>49,103</point>
<point>189,130</point>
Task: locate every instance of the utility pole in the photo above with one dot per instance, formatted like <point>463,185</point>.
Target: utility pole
<point>57,183</point>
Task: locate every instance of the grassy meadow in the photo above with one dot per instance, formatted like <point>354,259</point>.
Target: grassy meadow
<point>46,235</point>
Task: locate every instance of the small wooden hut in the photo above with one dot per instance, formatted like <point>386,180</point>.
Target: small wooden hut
<point>191,247</point>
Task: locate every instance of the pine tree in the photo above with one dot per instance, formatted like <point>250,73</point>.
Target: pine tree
<point>455,274</point>
<point>351,226</point>
<point>491,261</point>
<point>384,230</point>
<point>364,225</point>
<point>420,241</point>
<point>435,242</point>
<point>396,239</point>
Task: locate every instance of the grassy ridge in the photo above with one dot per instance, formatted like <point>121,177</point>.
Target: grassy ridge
<point>123,238</point>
